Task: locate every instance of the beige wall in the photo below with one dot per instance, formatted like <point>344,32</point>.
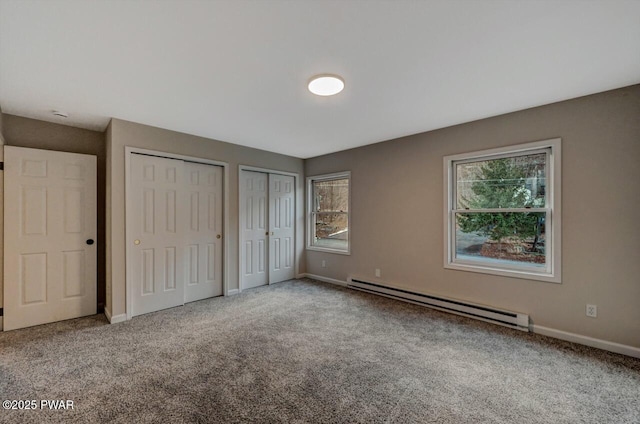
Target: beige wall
<point>403,178</point>
<point>108,227</point>
<point>122,133</point>
<point>35,134</point>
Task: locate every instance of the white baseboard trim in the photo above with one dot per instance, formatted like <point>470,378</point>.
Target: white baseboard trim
<point>232,292</point>
<point>587,341</point>
<point>326,279</point>
<point>118,318</point>
<point>299,276</point>
<point>114,319</point>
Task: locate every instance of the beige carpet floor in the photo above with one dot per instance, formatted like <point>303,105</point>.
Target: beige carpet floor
<point>308,352</point>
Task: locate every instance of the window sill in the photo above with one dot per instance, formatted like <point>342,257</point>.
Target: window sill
<point>329,250</point>
<point>527,275</point>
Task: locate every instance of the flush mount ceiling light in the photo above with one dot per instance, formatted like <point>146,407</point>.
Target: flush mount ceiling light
<point>326,85</point>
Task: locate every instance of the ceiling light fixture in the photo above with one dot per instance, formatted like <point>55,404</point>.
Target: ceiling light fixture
<point>326,85</point>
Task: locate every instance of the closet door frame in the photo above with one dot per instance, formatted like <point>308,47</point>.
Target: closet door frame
<point>296,177</point>
<point>129,238</point>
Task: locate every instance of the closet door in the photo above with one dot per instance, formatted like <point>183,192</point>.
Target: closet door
<point>203,234</point>
<point>281,228</point>
<point>156,203</point>
<point>254,225</point>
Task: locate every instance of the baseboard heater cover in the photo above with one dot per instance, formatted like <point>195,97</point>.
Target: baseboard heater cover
<point>509,319</point>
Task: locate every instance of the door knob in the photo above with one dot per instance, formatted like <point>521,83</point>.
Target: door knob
<point>218,236</point>
<point>90,242</point>
<point>267,233</point>
<point>136,242</point>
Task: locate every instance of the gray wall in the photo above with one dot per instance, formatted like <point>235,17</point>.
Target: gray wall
<point>32,133</point>
<point>397,214</point>
<point>122,133</point>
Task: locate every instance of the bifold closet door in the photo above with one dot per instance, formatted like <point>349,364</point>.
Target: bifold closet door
<point>267,219</point>
<point>203,250</point>
<point>156,257</point>
<point>254,224</point>
<point>50,236</point>
<point>281,228</point>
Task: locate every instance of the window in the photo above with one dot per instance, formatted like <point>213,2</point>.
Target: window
<point>503,211</point>
<point>328,206</point>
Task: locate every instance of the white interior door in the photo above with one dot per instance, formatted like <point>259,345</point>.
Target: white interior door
<point>50,232</point>
<point>203,252</point>
<point>156,203</point>
<point>254,225</point>
<point>281,228</point>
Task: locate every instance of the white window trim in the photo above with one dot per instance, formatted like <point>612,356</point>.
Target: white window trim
<point>553,273</point>
<point>309,218</point>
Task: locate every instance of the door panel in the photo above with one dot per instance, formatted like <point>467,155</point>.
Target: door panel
<point>50,213</point>
<point>253,210</point>
<point>156,253</point>
<point>281,223</point>
<point>204,233</point>
<point>73,273</point>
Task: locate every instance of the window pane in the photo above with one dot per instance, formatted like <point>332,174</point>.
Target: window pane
<point>506,238</point>
<point>331,230</point>
<point>332,195</point>
<point>514,182</point>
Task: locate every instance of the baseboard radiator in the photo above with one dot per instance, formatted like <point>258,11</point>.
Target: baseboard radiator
<point>509,319</point>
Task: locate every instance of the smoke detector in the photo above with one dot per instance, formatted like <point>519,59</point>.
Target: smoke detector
<point>60,113</point>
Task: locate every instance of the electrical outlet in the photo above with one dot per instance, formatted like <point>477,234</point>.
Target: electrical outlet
<point>592,311</point>
<point>324,264</point>
<point>378,272</point>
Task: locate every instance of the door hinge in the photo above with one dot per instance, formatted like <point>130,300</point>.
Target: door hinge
<point>1,312</point>
<point>1,166</point>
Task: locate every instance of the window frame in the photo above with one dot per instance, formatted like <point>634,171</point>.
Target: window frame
<point>310,222</point>
<point>552,209</point>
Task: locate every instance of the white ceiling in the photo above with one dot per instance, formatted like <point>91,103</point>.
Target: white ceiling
<point>237,70</point>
